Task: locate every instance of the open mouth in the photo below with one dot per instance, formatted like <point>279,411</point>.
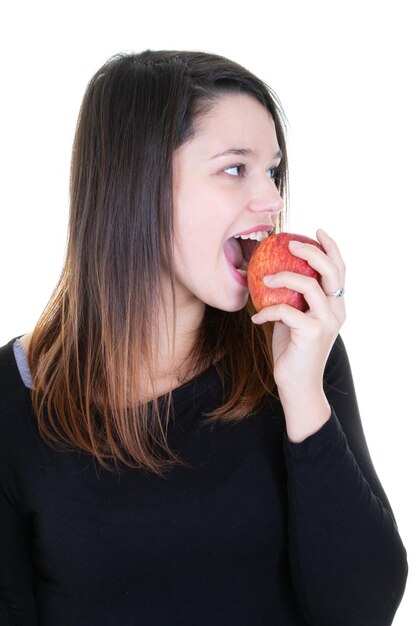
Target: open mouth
<point>239,249</point>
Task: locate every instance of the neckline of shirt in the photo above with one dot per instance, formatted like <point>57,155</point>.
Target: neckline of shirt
<point>196,386</point>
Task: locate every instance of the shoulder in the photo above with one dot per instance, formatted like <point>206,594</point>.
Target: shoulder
<point>14,396</point>
<point>18,430</point>
<point>19,437</point>
<point>8,367</point>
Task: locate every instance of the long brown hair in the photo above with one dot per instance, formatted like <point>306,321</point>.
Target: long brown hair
<point>98,332</point>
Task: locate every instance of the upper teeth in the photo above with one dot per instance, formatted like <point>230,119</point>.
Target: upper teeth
<point>257,236</point>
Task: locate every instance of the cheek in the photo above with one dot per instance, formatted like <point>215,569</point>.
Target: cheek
<point>192,249</point>
<point>197,233</point>
<point>202,216</point>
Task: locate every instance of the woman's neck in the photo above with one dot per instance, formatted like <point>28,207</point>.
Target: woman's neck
<point>173,365</point>
<point>174,350</point>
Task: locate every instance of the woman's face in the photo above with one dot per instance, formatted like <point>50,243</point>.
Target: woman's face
<point>223,187</point>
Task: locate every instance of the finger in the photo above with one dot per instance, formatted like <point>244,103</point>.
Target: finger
<point>316,258</point>
<point>330,265</point>
<point>293,318</point>
<point>330,287</point>
<point>302,327</point>
<point>331,248</point>
<point>309,287</point>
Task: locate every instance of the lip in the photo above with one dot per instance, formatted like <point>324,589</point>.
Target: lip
<point>255,229</point>
<point>242,280</point>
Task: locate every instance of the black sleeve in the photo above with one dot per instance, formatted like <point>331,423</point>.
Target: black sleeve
<point>4,617</point>
<point>16,576</point>
<point>348,563</point>
<point>17,599</point>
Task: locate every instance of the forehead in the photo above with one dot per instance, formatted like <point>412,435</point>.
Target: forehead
<point>235,120</point>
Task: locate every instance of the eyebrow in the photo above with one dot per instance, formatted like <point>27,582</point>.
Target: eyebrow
<point>243,152</point>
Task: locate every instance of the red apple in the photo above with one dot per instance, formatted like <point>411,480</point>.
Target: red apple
<point>271,256</point>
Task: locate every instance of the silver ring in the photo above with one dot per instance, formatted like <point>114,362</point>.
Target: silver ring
<point>336,294</point>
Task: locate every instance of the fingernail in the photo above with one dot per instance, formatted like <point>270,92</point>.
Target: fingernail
<point>295,244</point>
<point>267,280</point>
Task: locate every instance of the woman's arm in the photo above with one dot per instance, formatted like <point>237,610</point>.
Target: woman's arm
<point>348,562</point>
<point>16,575</point>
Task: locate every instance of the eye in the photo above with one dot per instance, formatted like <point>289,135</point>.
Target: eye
<point>274,172</point>
<point>235,170</point>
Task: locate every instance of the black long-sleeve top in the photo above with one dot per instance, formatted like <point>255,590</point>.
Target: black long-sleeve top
<point>257,531</point>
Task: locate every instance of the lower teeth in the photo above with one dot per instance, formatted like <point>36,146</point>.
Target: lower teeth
<point>243,267</point>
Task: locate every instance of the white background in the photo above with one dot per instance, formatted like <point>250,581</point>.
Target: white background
<point>346,73</point>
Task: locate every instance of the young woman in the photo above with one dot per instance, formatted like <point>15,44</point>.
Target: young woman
<point>167,456</point>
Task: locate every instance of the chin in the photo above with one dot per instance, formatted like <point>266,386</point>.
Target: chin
<point>229,306</point>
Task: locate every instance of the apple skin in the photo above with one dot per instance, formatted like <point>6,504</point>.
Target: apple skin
<point>271,256</point>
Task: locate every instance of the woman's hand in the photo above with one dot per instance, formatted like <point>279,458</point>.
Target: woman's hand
<point>303,341</point>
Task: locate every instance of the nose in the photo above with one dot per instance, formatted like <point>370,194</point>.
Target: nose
<point>266,198</point>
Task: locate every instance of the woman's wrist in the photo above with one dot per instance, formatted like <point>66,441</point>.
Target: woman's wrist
<point>305,415</point>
